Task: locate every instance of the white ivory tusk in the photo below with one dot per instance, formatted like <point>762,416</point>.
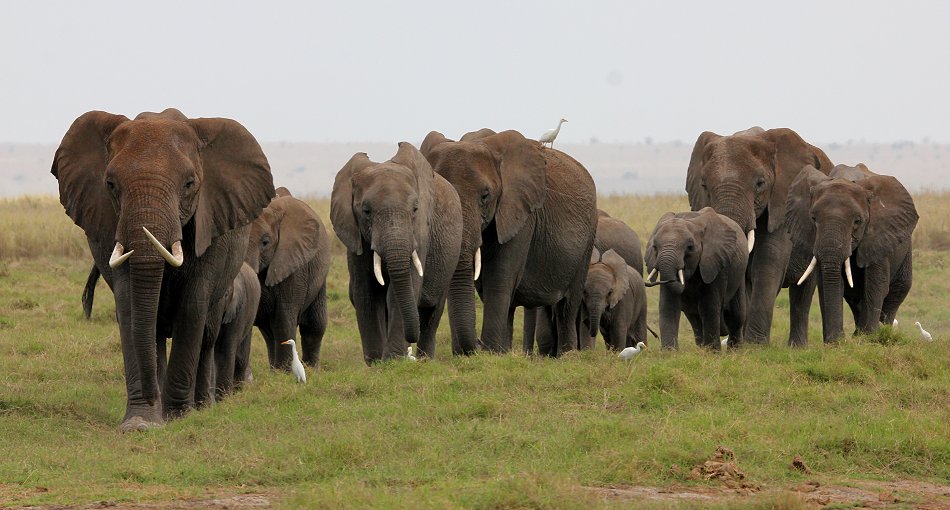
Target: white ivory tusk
<point>651,275</point>
<point>378,268</point>
<point>683,281</point>
<point>847,271</point>
<point>808,270</point>
<point>478,263</point>
<point>751,236</point>
<point>174,261</point>
<point>416,262</point>
<point>118,257</point>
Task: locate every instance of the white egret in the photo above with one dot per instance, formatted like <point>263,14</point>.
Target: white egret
<point>295,365</point>
<point>549,136</point>
<point>409,355</point>
<point>894,324</point>
<point>724,342</point>
<point>631,352</point>
<point>924,333</point>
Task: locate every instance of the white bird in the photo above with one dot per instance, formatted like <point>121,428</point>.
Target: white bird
<point>894,324</point>
<point>409,355</point>
<point>924,333</point>
<point>631,352</point>
<point>549,136</point>
<point>295,365</point>
<point>724,342</point>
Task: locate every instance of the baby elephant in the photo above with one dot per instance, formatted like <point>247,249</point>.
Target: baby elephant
<point>701,260</point>
<point>615,301</point>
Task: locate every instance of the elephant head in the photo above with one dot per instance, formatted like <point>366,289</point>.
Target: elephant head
<point>608,280</point>
<point>746,176</point>
<point>843,221</point>
<point>156,189</point>
<point>283,238</point>
<point>683,243</point>
<point>386,208</point>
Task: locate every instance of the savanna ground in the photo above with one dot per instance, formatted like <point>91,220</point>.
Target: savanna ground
<point>869,418</point>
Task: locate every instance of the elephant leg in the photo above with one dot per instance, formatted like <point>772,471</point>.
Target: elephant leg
<point>206,376</point>
<point>545,332</point>
<point>283,327</point>
<point>161,356</point>
<point>670,309</point>
<point>617,329</point>
<point>187,350</point>
<point>735,318</point>
<point>876,286</point>
<point>710,308</point>
<point>528,329</point>
<point>695,320</point>
<point>313,325</point>
<point>764,277</point>
<point>270,341</point>
<point>799,303</point>
<point>429,319</point>
<point>496,297</point>
<point>637,331</point>
<point>225,356</point>
<point>899,288</point>
<point>242,360</point>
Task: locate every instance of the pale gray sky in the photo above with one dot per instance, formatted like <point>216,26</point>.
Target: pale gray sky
<point>389,71</point>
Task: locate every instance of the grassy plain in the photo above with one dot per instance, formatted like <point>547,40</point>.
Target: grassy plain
<point>478,432</point>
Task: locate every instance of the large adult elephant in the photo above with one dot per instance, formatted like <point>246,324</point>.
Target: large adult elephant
<point>529,217</point>
<point>165,202</point>
<point>290,251</point>
<point>856,224</point>
<point>746,176</point>
<point>402,226</point>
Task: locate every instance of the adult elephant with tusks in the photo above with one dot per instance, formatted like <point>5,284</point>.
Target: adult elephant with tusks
<point>165,202</point>
<point>529,217</point>
<point>746,177</point>
<point>855,224</point>
<point>401,224</point>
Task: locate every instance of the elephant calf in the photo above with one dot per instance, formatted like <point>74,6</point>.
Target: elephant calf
<point>857,225</point>
<point>701,260</point>
<point>615,301</point>
<point>232,350</point>
<point>290,251</point>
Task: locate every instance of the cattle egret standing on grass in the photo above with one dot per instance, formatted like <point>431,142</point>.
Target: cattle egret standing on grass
<point>724,342</point>
<point>549,136</point>
<point>295,365</point>
<point>631,352</point>
<point>409,355</point>
<point>924,333</point>
<point>894,324</point>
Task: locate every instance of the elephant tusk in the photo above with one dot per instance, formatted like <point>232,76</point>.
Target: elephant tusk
<point>118,257</point>
<point>751,236</point>
<point>683,281</point>
<point>478,263</point>
<point>378,268</point>
<point>808,270</point>
<point>651,275</point>
<point>847,271</point>
<point>416,262</point>
<point>175,260</point>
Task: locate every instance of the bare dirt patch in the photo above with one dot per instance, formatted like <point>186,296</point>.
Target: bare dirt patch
<point>237,502</point>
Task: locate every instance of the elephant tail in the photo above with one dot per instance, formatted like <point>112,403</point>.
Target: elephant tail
<point>652,332</point>
<point>89,293</point>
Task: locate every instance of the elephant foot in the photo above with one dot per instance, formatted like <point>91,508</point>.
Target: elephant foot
<point>138,424</point>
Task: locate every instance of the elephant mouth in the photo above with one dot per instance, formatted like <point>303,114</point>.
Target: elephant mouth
<point>846,265</point>
<point>175,257</point>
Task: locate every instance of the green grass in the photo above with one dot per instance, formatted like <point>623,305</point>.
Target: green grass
<point>478,432</point>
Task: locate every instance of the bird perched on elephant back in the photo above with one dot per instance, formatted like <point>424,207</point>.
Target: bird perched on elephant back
<point>700,259</point>
<point>165,202</point>
<point>401,224</point>
<point>529,216</point>
<point>856,226</point>
<point>289,249</point>
<point>615,302</point>
<point>746,176</point>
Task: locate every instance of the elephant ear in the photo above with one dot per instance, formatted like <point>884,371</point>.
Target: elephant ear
<point>411,158</point>
<point>650,255</point>
<point>79,165</point>
<point>790,155</point>
<point>431,140</point>
<point>721,244</point>
<point>595,256</point>
<point>341,203</point>
<point>634,277</point>
<point>299,232</point>
<point>621,282</point>
<point>698,197</point>
<point>798,207</point>
<point>891,219</point>
<point>521,166</point>
<point>282,192</point>
<point>471,136</point>
<point>236,183</point>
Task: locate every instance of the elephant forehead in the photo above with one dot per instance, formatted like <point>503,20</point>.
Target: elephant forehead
<point>738,153</point>
<point>837,194</point>
<point>465,159</point>
<point>154,138</point>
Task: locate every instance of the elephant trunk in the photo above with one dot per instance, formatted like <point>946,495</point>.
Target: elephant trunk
<point>595,312</point>
<point>831,297</point>
<point>670,266</point>
<point>739,206</point>
<point>146,285</point>
<point>397,255</point>
<point>461,301</point>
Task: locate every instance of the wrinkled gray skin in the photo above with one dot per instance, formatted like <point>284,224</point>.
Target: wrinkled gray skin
<point>197,181</point>
<point>863,217</point>
<point>612,234</point>
<point>289,248</point>
<point>532,212</point>
<point>711,251</point>
<point>746,176</point>
<point>615,302</point>
<point>232,350</point>
<point>395,208</point>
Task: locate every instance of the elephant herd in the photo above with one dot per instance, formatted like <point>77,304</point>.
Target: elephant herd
<point>185,226</point>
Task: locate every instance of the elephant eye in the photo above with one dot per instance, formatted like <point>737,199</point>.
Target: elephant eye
<point>189,183</point>
<point>366,209</point>
<point>759,183</point>
<point>265,240</point>
<point>111,185</point>
<point>702,183</point>
<point>858,220</point>
<point>486,194</point>
<point>813,220</point>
